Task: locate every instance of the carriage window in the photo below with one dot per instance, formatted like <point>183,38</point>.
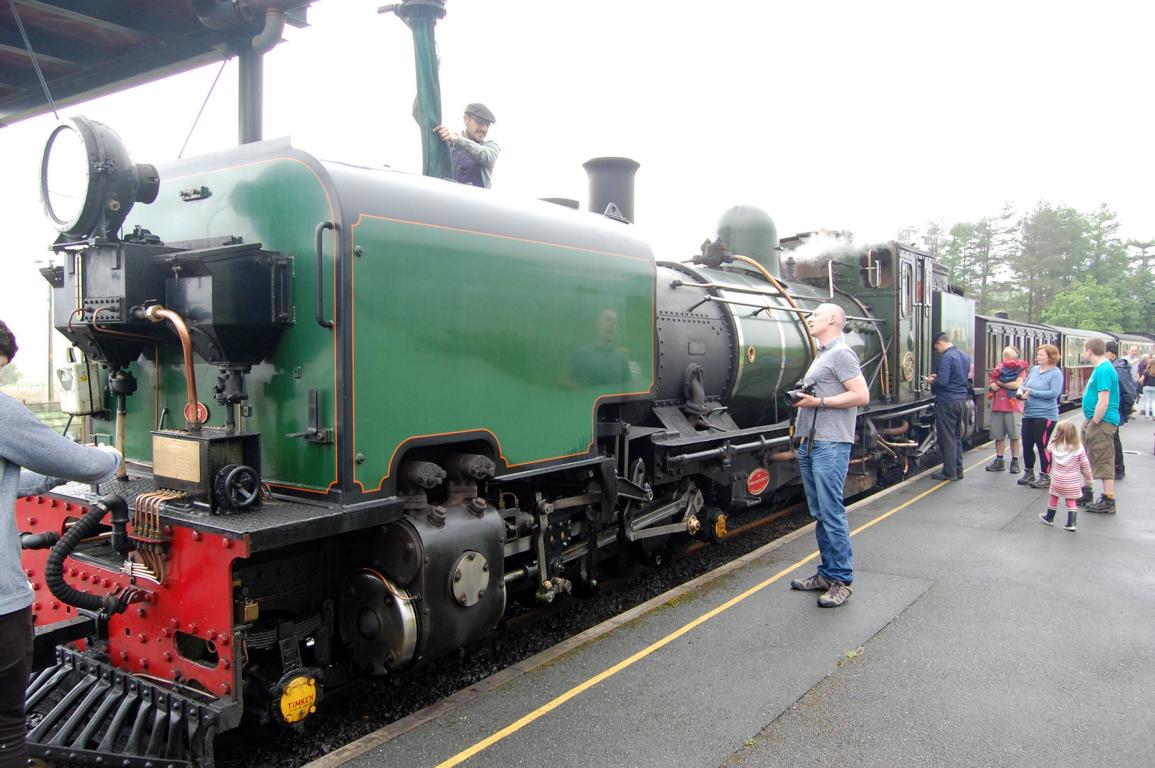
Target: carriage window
<point>1071,353</point>
<point>907,288</point>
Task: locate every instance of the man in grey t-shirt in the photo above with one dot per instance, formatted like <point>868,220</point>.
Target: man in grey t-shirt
<point>826,425</point>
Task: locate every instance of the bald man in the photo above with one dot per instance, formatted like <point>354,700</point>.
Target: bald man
<point>826,423</point>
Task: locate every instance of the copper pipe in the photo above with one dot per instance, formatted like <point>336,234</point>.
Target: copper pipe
<point>110,332</point>
<point>121,420</point>
<point>785,294</point>
<point>904,444</point>
<point>157,314</point>
<point>901,429</point>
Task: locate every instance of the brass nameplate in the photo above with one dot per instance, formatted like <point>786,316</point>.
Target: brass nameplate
<point>178,459</point>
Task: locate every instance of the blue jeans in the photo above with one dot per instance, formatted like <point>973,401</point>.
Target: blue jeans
<point>824,465</point>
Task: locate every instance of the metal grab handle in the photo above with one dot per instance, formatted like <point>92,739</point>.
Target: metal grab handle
<point>319,279</point>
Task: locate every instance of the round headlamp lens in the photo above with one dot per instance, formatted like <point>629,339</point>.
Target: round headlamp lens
<point>65,177</point>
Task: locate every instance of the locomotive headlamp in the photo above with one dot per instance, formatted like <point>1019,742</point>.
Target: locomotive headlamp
<point>88,183</point>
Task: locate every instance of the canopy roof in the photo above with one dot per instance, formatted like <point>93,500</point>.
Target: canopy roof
<point>88,48</point>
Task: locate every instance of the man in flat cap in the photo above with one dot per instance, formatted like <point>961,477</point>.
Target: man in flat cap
<point>473,156</point>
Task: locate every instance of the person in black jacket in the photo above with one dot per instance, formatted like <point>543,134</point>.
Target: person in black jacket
<point>951,387</point>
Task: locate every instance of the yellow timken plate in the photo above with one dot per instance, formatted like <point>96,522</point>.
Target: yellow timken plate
<point>298,699</point>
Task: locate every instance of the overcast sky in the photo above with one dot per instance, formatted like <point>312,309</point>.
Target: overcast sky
<point>841,115</point>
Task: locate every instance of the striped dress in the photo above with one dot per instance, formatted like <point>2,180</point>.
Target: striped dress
<point>1069,470</point>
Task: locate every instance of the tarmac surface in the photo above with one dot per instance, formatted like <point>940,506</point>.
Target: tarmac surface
<point>976,636</point>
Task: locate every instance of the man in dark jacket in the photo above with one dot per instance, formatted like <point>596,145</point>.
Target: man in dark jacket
<point>1127,392</point>
<point>951,387</point>
<point>473,155</point>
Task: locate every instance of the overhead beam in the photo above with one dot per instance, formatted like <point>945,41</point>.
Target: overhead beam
<point>21,79</point>
<point>150,64</point>
<point>45,58</point>
<point>93,15</point>
<point>48,47</point>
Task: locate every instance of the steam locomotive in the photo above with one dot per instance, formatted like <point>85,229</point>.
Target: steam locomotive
<point>361,409</point>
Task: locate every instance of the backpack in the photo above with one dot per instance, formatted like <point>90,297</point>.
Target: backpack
<point>1126,386</point>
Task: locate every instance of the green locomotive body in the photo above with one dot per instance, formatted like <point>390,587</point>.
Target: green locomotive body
<point>454,316</point>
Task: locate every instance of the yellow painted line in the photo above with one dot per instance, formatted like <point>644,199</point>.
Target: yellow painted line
<point>545,709</point>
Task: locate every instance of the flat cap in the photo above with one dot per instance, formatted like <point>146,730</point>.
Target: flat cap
<point>480,112</point>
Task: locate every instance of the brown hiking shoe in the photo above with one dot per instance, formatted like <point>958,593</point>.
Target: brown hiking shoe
<point>1104,504</point>
<point>838,594</point>
<point>813,583</point>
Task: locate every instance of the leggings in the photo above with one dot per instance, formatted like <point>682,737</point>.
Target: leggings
<point>1037,434</point>
<point>1054,502</point>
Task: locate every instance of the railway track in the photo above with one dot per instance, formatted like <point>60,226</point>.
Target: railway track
<point>374,703</point>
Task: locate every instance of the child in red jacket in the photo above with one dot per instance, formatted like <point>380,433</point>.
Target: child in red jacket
<point>1006,372</point>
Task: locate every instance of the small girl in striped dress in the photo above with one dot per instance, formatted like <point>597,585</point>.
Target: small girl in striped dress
<point>1069,469</point>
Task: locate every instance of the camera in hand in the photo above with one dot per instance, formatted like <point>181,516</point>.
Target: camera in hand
<point>802,387</point>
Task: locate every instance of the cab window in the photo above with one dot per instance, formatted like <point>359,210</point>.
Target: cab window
<point>907,289</point>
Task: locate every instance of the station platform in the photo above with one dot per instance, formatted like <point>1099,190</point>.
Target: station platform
<point>976,636</point>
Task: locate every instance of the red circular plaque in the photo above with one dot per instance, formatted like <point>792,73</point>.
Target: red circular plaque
<point>758,481</point>
<point>202,413</point>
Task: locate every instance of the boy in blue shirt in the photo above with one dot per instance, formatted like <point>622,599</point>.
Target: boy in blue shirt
<point>1101,411</point>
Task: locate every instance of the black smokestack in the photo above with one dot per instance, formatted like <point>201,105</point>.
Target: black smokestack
<point>612,181</point>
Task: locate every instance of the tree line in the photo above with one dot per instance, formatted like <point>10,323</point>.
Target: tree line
<point>1052,264</point>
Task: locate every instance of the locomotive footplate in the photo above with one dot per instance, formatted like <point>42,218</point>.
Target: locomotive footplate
<point>82,711</point>
<point>279,522</point>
